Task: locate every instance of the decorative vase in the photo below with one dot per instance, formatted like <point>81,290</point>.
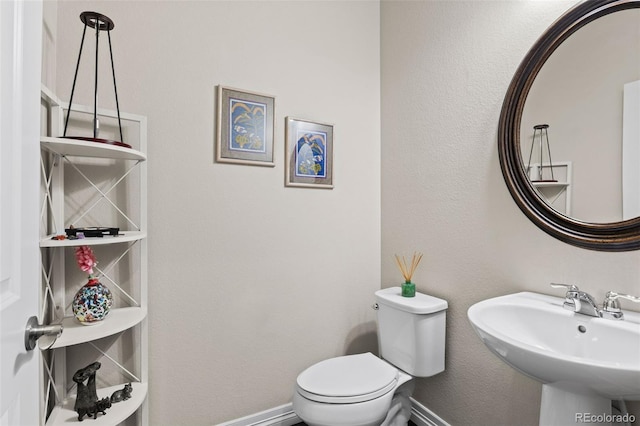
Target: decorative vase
<point>408,289</point>
<point>92,302</point>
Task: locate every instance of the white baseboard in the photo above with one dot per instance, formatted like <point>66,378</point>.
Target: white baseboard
<point>284,416</point>
<point>422,416</point>
<point>279,416</point>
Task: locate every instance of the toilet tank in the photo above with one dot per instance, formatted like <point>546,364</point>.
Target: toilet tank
<point>411,331</point>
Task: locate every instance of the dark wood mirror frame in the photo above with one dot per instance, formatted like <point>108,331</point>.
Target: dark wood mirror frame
<point>616,236</point>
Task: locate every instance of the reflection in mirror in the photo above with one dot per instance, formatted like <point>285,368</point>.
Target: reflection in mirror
<point>579,141</point>
<point>580,93</point>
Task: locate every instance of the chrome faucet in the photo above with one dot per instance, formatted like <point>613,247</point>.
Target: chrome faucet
<point>583,303</point>
<point>579,301</point>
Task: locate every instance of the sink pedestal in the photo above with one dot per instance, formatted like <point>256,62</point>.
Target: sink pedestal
<point>564,404</point>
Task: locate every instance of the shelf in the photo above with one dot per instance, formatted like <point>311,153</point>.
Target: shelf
<point>74,332</point>
<point>550,184</point>
<point>79,148</point>
<point>120,411</point>
<point>124,237</point>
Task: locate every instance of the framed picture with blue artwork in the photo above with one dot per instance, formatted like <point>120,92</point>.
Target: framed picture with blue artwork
<point>245,127</point>
<point>309,153</point>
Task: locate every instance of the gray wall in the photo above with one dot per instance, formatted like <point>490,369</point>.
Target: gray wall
<point>446,66</point>
<point>251,282</point>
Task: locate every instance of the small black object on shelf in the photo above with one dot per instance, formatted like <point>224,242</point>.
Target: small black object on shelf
<point>99,22</point>
<point>92,232</point>
<point>87,402</point>
<point>122,394</point>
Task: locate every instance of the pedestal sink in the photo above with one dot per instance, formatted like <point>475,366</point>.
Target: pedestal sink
<point>583,362</point>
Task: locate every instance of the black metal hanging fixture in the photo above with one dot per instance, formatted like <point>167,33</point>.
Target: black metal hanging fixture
<point>98,22</point>
<point>541,130</point>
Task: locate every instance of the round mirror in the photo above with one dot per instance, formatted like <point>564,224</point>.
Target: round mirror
<point>569,131</point>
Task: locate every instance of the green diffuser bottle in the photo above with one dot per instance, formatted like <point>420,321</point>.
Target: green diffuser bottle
<point>408,289</point>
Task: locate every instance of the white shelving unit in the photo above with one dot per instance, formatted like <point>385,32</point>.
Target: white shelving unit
<point>64,414</point>
<point>71,195</point>
<point>556,194</point>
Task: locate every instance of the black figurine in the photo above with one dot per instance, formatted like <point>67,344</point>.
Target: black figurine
<point>87,398</point>
<point>122,394</point>
<point>100,407</point>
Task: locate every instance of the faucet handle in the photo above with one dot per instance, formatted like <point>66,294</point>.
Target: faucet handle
<point>571,297</point>
<point>567,286</point>
<point>611,306</point>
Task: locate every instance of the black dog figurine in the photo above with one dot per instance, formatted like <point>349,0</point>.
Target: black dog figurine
<point>122,394</point>
<point>100,407</point>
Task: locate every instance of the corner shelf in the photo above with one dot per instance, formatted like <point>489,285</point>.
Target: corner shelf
<point>64,414</point>
<point>556,194</point>
<point>79,148</point>
<point>550,184</point>
<point>73,332</point>
<point>124,237</point>
<point>121,202</point>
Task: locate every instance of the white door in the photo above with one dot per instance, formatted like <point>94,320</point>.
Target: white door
<point>20,50</point>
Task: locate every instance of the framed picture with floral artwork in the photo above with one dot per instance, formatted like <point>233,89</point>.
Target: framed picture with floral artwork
<point>309,153</point>
<point>245,127</point>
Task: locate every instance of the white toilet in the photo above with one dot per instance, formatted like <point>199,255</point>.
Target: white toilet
<point>364,390</point>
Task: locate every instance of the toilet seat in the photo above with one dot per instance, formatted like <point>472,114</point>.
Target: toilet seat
<point>347,379</point>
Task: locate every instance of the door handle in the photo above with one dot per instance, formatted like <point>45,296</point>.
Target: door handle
<point>34,330</point>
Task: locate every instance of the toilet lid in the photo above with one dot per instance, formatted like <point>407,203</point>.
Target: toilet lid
<point>347,379</point>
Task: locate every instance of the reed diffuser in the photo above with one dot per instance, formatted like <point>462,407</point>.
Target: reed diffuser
<point>408,288</point>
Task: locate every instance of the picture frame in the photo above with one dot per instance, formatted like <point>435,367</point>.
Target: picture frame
<point>309,153</point>
<point>245,125</point>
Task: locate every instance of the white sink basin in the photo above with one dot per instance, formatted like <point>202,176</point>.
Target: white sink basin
<point>579,354</point>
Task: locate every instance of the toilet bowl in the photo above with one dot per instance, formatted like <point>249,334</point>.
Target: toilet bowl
<point>364,390</point>
<point>353,390</point>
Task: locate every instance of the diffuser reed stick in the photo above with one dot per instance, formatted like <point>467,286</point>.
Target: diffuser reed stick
<point>408,270</point>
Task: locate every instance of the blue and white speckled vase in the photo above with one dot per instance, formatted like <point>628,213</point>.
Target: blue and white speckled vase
<point>92,302</point>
